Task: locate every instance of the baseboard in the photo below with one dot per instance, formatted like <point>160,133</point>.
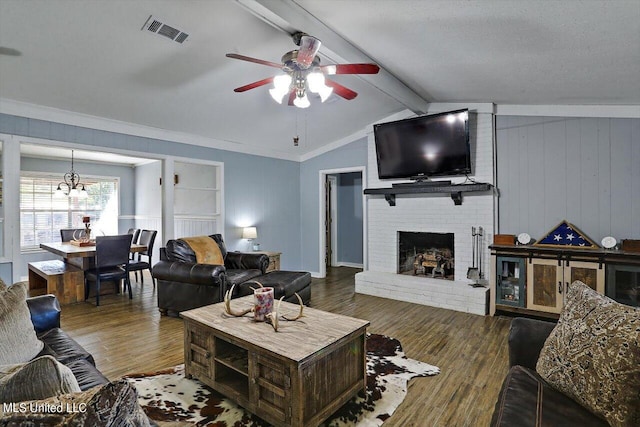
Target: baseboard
<point>316,275</point>
<point>349,264</point>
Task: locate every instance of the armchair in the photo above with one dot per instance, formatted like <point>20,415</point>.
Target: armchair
<point>184,283</point>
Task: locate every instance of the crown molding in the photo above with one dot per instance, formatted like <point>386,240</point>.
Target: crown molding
<point>609,111</point>
<point>40,112</point>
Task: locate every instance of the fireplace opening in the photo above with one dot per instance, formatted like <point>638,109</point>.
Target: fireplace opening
<point>426,254</point>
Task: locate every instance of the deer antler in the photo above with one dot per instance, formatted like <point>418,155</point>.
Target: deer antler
<point>274,316</point>
<point>299,314</point>
<point>257,283</point>
<point>227,305</point>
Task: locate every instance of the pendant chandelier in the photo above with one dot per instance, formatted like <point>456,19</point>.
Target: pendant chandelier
<point>74,188</point>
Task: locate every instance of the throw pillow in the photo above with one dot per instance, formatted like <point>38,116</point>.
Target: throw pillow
<point>206,249</point>
<point>38,379</point>
<point>3,285</point>
<point>112,404</point>
<point>18,340</point>
<point>593,355</point>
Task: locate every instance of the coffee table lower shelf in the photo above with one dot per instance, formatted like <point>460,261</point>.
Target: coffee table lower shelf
<point>281,390</point>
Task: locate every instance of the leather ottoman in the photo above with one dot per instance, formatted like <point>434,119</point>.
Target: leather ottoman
<point>284,283</point>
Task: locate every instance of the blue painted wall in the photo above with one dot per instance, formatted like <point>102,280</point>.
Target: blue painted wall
<point>349,212</point>
<point>259,191</point>
<point>350,155</point>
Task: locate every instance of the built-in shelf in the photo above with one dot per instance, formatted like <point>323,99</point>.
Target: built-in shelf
<point>454,190</point>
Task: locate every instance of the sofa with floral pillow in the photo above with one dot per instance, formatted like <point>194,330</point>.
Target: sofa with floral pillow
<point>46,377</point>
<point>583,371</point>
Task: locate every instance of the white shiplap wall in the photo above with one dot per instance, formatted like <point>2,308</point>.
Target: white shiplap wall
<point>431,213</point>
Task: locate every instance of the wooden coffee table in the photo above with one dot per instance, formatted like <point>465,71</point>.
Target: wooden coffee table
<point>297,376</point>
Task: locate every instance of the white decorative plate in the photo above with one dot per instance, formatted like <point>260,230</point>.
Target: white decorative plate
<point>609,242</point>
<point>524,238</point>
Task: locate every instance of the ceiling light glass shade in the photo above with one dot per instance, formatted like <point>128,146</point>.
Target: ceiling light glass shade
<point>281,85</point>
<point>282,81</point>
<point>325,93</point>
<point>277,94</point>
<point>59,192</point>
<point>74,192</point>
<point>309,46</point>
<point>301,101</point>
<point>83,193</point>
<point>316,84</point>
<point>315,81</point>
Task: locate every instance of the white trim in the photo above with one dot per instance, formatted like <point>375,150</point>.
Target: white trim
<point>146,217</point>
<point>321,196</point>
<point>317,275</point>
<point>40,112</point>
<point>350,264</point>
<point>126,217</point>
<point>611,111</point>
<point>333,180</point>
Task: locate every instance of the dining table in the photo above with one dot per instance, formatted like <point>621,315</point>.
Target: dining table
<point>65,278</point>
<point>82,257</point>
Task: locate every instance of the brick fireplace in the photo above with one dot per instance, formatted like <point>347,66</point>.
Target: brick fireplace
<point>431,213</point>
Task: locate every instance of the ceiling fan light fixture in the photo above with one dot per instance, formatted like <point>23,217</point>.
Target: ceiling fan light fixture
<point>325,93</point>
<point>277,94</point>
<point>315,81</point>
<point>280,88</point>
<point>309,46</point>
<point>302,101</point>
<point>330,69</point>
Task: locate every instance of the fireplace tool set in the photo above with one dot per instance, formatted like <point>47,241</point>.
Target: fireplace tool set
<point>475,271</point>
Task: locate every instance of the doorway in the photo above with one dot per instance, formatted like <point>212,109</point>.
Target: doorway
<point>342,227</point>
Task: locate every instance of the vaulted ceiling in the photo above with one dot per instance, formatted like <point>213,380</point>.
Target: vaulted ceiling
<point>94,58</point>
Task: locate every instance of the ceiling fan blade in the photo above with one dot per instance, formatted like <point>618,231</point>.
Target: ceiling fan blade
<point>340,90</point>
<point>254,85</point>
<point>350,69</point>
<point>292,97</point>
<point>254,60</point>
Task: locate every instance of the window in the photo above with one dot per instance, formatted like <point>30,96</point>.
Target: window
<point>42,215</point>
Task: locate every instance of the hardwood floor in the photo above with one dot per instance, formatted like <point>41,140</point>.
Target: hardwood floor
<point>127,336</point>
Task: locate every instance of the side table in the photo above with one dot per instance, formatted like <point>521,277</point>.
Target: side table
<point>274,259</point>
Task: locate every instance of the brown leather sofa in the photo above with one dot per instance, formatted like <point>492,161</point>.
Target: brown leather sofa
<point>525,398</point>
<point>45,316</point>
<point>183,284</point>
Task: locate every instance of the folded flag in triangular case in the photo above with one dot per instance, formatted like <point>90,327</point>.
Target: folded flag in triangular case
<point>566,234</point>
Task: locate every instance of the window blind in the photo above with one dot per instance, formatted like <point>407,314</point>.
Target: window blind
<point>42,214</point>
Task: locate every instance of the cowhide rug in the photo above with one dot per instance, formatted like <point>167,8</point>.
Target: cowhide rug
<point>169,399</point>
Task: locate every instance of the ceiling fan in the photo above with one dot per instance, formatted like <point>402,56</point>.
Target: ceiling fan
<point>302,72</point>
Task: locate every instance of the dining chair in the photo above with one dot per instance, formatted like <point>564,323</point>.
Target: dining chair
<point>135,232</point>
<point>67,234</point>
<point>147,238</point>
<point>112,263</point>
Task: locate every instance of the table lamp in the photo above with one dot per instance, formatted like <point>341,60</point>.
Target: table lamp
<point>251,233</point>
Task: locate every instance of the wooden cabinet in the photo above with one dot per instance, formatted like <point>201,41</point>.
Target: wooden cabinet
<point>549,280</point>
<point>549,271</point>
<point>274,260</point>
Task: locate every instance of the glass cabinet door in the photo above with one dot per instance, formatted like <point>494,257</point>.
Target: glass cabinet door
<point>623,284</point>
<point>510,281</point>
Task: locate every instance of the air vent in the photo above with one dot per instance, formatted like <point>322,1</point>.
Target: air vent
<point>157,26</point>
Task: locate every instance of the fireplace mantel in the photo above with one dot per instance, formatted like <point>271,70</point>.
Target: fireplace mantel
<point>455,190</point>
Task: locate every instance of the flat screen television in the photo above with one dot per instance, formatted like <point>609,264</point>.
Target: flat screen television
<point>425,146</point>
